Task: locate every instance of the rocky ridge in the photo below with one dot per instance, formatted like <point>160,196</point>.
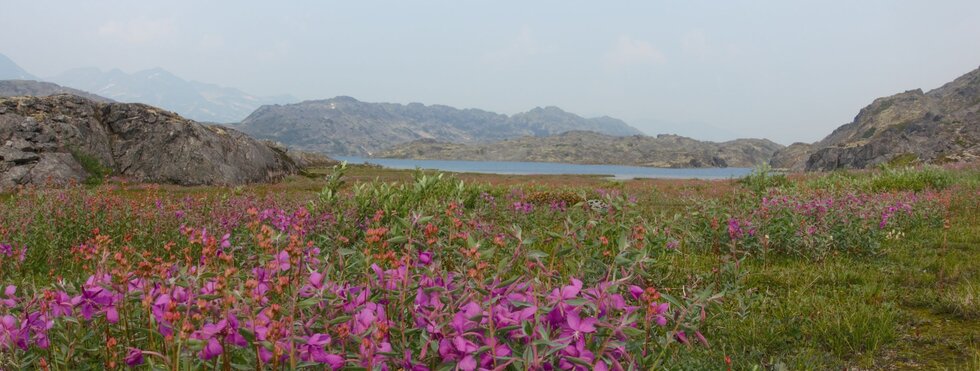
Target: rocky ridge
<point>583,147</point>
<point>939,126</point>
<point>47,140</point>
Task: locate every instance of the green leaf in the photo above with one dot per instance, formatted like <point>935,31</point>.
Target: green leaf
<point>537,254</point>
<point>398,239</point>
<point>345,251</point>
<point>340,319</point>
<point>672,300</point>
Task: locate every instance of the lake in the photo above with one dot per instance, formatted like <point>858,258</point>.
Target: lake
<point>551,168</point>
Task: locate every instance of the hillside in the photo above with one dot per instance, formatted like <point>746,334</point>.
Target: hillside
<point>940,126</point>
<point>195,100</point>
<point>64,138</point>
<point>593,148</point>
<point>347,126</point>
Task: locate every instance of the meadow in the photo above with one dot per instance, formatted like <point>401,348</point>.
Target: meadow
<point>365,268</point>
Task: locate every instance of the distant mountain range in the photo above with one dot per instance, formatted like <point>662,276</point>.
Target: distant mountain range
<point>940,126</point>
<point>11,71</point>
<point>586,147</point>
<point>195,100</point>
<point>347,126</point>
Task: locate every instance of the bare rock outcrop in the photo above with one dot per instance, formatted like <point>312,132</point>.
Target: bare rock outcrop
<point>48,139</point>
<point>939,126</point>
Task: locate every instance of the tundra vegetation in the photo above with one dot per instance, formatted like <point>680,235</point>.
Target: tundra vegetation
<point>366,268</point>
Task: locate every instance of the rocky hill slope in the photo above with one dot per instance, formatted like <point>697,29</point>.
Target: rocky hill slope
<point>583,147</point>
<point>346,126</point>
<point>940,126</point>
<point>55,139</point>
<point>792,157</point>
<point>158,87</point>
<point>17,88</point>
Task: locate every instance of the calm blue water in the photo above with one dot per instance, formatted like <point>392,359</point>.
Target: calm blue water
<point>502,167</point>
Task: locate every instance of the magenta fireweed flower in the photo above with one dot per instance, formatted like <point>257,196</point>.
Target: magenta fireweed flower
<point>9,300</point>
<point>312,350</point>
<point>558,297</point>
<point>658,310</point>
<point>425,257</point>
<point>578,325</point>
<point>10,333</point>
<point>523,207</point>
<point>681,337</point>
<point>62,304</point>
<point>635,292</point>
<point>6,249</point>
<point>134,357</point>
<point>96,299</point>
<point>160,306</point>
<point>409,365</point>
<point>313,286</point>
<point>739,229</point>
<point>576,349</point>
<point>36,327</point>
<point>282,260</point>
<point>223,331</point>
<point>135,285</point>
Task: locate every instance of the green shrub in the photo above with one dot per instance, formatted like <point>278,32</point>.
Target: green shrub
<point>97,172</point>
<point>762,179</point>
<point>911,179</point>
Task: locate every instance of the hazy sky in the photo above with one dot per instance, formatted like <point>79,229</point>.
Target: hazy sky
<point>785,70</point>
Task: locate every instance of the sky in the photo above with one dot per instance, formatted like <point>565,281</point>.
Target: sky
<point>784,70</point>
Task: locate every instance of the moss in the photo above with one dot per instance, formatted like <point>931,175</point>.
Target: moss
<point>867,134</point>
<point>903,160</point>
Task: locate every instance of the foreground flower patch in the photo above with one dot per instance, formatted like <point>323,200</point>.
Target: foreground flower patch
<point>427,275</point>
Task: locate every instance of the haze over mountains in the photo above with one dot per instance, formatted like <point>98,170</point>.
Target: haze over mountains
<point>192,99</point>
<point>11,71</point>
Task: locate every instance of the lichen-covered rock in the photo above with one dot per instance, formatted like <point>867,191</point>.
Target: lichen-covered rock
<point>42,138</point>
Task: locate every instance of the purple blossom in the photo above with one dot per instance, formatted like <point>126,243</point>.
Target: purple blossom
<point>134,357</point>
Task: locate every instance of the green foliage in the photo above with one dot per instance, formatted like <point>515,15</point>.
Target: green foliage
<point>903,160</point>
<point>911,179</point>
<point>97,172</point>
<point>762,179</point>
